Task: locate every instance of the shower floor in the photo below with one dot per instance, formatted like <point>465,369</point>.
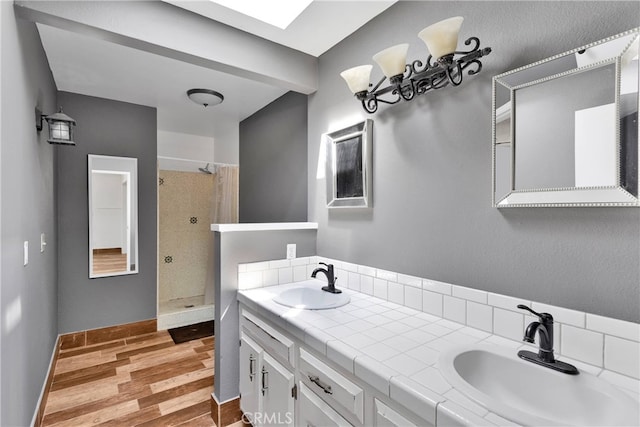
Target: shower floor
<point>181,304</point>
<point>184,311</point>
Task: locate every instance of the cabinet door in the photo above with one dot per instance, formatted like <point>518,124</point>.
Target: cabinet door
<point>276,384</point>
<point>314,412</point>
<point>250,364</point>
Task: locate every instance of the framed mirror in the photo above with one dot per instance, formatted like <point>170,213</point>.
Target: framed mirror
<point>348,166</point>
<point>565,129</point>
<point>113,216</point>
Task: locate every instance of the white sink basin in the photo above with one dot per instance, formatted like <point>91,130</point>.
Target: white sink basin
<point>530,394</point>
<point>311,298</point>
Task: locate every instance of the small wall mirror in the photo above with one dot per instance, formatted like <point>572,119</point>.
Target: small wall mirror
<point>565,129</point>
<point>113,216</point>
<point>348,166</point>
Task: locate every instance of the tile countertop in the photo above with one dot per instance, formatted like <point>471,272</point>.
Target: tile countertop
<point>395,350</point>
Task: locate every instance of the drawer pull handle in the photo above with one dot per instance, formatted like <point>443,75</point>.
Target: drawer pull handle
<point>252,361</point>
<point>265,374</point>
<point>326,388</point>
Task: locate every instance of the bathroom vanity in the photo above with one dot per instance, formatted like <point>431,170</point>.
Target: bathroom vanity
<point>284,380</point>
<point>372,362</point>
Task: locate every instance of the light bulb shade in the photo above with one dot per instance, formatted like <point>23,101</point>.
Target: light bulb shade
<point>60,128</point>
<point>441,38</point>
<point>392,60</point>
<point>357,78</point>
<point>205,97</point>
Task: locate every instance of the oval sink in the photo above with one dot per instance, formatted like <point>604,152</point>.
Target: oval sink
<point>311,298</point>
<point>530,394</point>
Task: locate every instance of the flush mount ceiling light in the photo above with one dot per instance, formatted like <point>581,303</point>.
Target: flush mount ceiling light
<point>279,13</point>
<point>445,65</point>
<point>60,127</point>
<point>205,97</point>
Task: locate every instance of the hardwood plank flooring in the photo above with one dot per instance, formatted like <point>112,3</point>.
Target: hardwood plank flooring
<point>143,380</point>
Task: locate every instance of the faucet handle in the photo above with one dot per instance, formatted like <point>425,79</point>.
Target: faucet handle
<point>542,316</point>
<point>324,263</point>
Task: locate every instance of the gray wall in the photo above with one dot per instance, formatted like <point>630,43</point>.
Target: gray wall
<point>432,167</point>
<point>273,162</point>
<point>115,129</point>
<point>232,248</point>
<point>27,186</point>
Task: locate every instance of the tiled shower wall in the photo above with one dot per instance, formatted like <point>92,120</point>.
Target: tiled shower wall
<point>599,341</point>
<point>185,206</point>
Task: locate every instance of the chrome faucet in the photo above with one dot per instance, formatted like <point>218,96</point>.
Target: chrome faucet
<point>331,278</point>
<point>545,357</point>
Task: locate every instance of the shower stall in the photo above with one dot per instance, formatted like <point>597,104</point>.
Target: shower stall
<point>191,196</point>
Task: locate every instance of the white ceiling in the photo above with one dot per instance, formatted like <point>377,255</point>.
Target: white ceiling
<point>95,67</point>
<point>322,25</point>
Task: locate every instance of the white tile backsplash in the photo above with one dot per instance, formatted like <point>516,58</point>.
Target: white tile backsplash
<point>435,286</point>
<point>582,344</point>
<point>562,315</point>
<point>508,324</point>
<point>380,288</point>
<point>591,340</point>
<point>432,303</point>
<point>396,293</point>
<point>367,271</point>
<point>455,309</point>
<point>387,275</point>
<point>619,328</point>
<point>413,297</point>
<point>366,285</point>
<point>480,316</point>
<point>622,356</point>
<point>354,281</point>
<point>413,281</point>
<point>300,273</point>
<point>469,294</point>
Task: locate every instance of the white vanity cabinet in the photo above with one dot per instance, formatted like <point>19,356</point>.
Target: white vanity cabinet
<point>267,386</point>
<point>315,412</point>
<point>284,382</point>
<point>387,417</point>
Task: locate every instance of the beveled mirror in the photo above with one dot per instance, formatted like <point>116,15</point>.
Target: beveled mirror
<point>565,129</point>
<point>113,216</point>
<point>348,166</point>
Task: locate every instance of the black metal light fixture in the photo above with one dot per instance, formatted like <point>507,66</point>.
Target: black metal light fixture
<point>445,65</point>
<point>60,127</point>
<point>205,97</point>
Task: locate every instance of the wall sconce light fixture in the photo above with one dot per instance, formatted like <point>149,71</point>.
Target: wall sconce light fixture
<point>60,127</point>
<point>445,65</point>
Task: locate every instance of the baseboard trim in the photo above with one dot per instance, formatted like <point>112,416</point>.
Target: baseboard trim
<point>109,333</point>
<point>226,413</point>
<point>38,415</point>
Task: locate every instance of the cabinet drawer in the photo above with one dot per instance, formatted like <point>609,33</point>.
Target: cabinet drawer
<point>314,412</point>
<point>332,385</point>
<point>268,337</point>
<point>387,417</point>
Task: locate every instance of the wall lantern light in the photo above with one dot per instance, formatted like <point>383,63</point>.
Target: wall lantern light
<point>445,65</point>
<point>60,127</point>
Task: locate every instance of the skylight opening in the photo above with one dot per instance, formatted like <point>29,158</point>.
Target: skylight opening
<point>279,13</point>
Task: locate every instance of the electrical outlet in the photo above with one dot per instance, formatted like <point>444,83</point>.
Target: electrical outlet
<point>291,251</point>
<point>26,252</point>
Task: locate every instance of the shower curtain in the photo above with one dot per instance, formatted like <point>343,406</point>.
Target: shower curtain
<point>224,210</point>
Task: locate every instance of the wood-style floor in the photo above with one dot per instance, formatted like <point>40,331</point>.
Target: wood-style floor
<point>145,380</point>
<point>109,261</point>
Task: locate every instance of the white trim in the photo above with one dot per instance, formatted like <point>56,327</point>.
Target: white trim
<point>270,226</point>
